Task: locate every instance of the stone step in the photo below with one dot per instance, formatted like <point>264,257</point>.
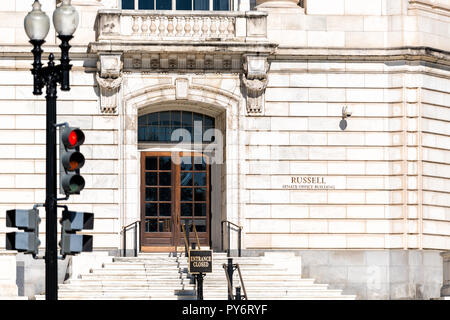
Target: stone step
<point>178,263</point>
<point>13,298</point>
<point>247,271</point>
<point>112,282</point>
<point>183,258</point>
<point>207,290</point>
<point>142,275</point>
<point>137,269</point>
<point>133,282</point>
<point>149,272</point>
<point>207,279</point>
<point>191,298</point>
<point>159,290</point>
<point>220,270</point>
<point>147,268</point>
<point>144,296</point>
<point>254,276</point>
<point>163,276</point>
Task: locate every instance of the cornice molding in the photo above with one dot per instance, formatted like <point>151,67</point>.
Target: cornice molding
<point>430,6</point>
<point>426,54</point>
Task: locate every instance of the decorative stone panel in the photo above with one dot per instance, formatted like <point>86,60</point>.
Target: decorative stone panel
<point>109,79</point>
<point>182,62</point>
<point>254,79</point>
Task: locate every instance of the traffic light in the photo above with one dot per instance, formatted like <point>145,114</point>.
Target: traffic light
<point>70,160</point>
<point>72,221</point>
<point>28,241</point>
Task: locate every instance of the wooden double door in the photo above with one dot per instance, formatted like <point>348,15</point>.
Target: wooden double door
<point>174,191</point>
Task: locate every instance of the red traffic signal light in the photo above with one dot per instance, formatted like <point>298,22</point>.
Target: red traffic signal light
<point>72,137</point>
<point>71,160</point>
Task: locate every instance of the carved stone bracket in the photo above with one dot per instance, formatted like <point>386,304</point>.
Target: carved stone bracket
<point>109,78</point>
<point>255,82</point>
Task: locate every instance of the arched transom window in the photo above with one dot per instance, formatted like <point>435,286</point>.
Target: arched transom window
<point>159,126</point>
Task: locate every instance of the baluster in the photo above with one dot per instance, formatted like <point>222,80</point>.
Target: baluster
<point>230,27</point>
<point>213,27</point>
<point>170,26</point>
<point>187,26</point>
<point>221,27</point>
<point>161,26</point>
<point>179,26</point>
<point>152,26</point>
<point>205,27</point>
<point>135,26</point>
<point>196,27</point>
<point>144,25</point>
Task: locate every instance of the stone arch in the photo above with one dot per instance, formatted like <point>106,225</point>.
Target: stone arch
<point>218,99</point>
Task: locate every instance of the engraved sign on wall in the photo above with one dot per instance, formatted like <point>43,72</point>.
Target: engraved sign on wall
<point>308,183</point>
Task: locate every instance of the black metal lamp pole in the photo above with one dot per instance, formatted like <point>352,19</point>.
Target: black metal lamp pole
<point>37,25</point>
<point>49,77</point>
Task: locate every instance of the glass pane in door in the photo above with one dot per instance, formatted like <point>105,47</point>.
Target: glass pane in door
<point>194,192</point>
<point>158,195</point>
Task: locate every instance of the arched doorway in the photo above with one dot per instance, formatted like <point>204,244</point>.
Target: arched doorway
<point>224,106</point>
<point>175,185</point>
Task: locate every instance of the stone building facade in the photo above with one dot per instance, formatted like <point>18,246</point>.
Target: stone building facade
<point>332,118</point>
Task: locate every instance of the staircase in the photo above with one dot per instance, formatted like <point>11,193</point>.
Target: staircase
<point>159,276</point>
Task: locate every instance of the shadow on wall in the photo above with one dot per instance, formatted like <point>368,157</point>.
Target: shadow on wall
<point>30,277</point>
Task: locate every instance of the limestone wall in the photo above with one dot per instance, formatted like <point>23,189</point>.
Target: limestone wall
<point>388,169</point>
<point>363,24</point>
<point>22,144</point>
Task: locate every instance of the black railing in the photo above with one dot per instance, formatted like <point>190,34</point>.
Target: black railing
<point>186,240</point>
<point>239,230</point>
<point>124,232</point>
<point>229,269</point>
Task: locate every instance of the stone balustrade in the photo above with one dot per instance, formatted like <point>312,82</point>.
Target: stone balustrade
<point>181,25</point>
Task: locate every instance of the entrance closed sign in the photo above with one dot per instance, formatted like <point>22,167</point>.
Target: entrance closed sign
<point>200,261</point>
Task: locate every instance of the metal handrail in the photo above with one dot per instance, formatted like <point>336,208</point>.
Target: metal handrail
<point>229,238</point>
<point>124,232</point>
<point>196,235</point>
<point>230,286</point>
<point>242,281</point>
<point>186,242</point>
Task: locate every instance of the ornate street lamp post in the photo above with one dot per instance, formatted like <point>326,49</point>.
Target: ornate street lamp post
<point>37,25</point>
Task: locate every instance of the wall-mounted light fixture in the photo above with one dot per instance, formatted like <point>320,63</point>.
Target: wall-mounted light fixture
<point>346,113</point>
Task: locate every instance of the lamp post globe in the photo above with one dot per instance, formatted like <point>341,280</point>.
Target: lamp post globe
<point>65,19</point>
<point>36,23</point>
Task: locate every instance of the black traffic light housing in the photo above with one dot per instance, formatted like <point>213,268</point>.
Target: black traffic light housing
<point>72,221</point>
<point>27,220</point>
<point>71,160</point>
